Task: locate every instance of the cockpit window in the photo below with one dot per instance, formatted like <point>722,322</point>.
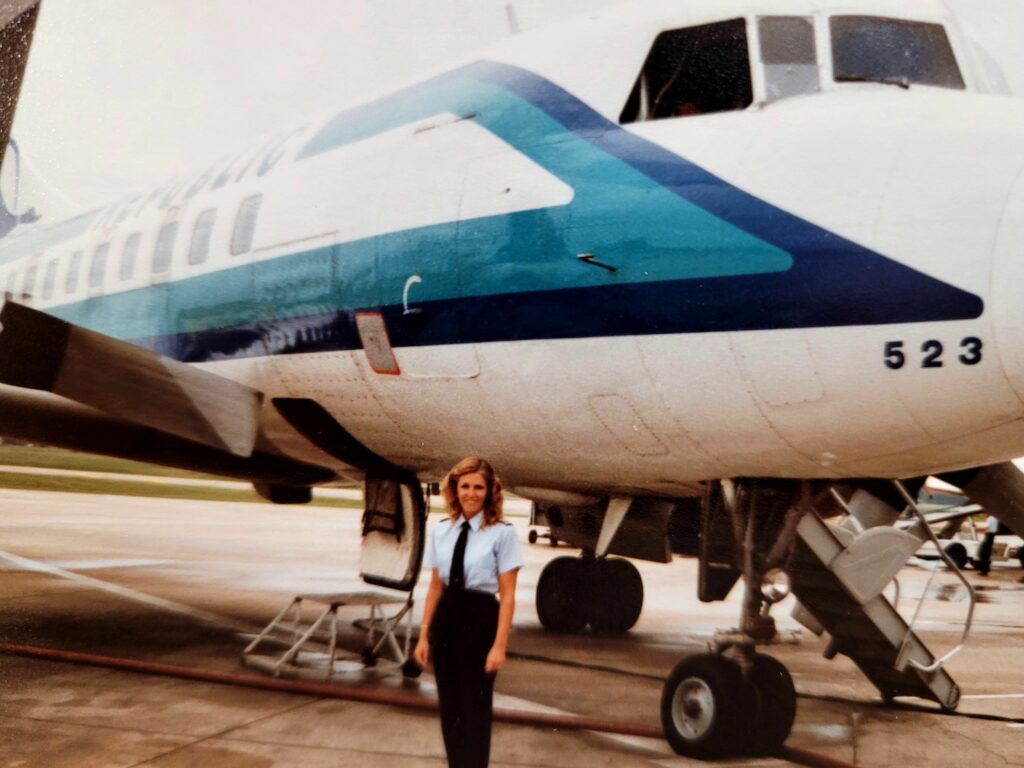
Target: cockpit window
<point>788,55</point>
<point>693,71</point>
<point>875,49</point>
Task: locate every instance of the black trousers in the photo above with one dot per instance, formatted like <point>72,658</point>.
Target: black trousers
<point>984,558</point>
<point>461,635</point>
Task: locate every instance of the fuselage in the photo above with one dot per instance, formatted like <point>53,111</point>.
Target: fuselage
<point>507,259</point>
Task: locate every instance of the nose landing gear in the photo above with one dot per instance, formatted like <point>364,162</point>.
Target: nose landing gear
<point>713,705</point>
<point>735,700</point>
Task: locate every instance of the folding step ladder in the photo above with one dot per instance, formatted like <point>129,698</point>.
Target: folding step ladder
<point>838,574</point>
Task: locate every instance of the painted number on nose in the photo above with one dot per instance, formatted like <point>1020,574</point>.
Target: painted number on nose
<point>895,356</point>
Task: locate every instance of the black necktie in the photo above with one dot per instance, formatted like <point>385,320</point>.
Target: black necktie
<point>457,577</point>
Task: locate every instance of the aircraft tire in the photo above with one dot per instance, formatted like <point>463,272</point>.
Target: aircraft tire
<point>771,685</point>
<point>532,536</point>
<point>705,705</point>
<point>561,591</point>
<point>958,554</point>
<point>617,596</point>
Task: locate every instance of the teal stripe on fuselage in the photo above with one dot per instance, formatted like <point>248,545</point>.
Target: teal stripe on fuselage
<point>617,212</point>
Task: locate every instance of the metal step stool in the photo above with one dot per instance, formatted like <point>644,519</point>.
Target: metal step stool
<point>311,650</point>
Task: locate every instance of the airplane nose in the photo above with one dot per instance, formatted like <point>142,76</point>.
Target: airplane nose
<point>1007,299</point>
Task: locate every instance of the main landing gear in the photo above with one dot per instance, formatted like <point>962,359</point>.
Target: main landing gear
<point>605,593</point>
<point>734,700</point>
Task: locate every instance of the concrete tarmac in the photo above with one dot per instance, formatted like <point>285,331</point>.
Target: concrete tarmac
<point>176,582</point>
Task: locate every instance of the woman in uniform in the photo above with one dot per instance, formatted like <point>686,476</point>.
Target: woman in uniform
<point>474,556</point>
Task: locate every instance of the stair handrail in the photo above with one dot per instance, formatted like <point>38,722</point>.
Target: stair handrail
<point>846,508</point>
<point>935,665</point>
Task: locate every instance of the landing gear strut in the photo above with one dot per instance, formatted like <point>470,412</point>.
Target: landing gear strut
<point>735,700</point>
<point>607,594</point>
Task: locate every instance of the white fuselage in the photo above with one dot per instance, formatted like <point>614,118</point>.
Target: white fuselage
<point>927,179</point>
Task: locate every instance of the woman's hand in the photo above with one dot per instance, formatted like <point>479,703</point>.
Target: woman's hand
<point>495,660</point>
<point>422,651</point>
<point>506,605</point>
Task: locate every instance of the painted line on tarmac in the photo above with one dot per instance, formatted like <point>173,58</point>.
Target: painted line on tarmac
<point>516,707</point>
<point>979,696</point>
<point>221,622</point>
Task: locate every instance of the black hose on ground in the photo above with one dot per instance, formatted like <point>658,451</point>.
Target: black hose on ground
<point>331,691</point>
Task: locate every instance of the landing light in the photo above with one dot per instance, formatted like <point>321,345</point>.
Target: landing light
<point>775,586</point>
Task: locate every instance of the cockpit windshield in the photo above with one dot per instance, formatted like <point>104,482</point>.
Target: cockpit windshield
<point>904,53</point>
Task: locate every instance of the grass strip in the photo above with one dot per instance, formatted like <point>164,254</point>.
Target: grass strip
<point>66,484</point>
<point>58,458</point>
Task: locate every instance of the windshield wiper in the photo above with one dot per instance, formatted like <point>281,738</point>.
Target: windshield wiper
<point>900,82</point>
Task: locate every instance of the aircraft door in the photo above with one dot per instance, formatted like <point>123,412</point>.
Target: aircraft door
<point>423,304</point>
<point>394,532</point>
<point>208,288</point>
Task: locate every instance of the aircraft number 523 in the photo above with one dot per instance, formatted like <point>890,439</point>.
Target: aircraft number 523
<point>932,350</point>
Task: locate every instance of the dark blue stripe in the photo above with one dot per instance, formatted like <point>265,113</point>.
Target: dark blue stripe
<point>672,307</point>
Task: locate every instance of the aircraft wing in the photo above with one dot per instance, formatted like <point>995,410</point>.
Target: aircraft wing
<point>945,515</point>
<point>70,387</point>
<point>42,417</point>
<point>998,488</point>
<point>17,23</point>
<point>41,352</point>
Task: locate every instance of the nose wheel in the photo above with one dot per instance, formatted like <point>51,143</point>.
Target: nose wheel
<point>701,706</point>
<point>775,704</point>
<point>711,707</point>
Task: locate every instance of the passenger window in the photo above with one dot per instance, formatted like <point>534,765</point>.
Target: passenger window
<point>49,278</point>
<point>129,256</point>
<point>164,248</point>
<point>199,248</point>
<point>788,55</point>
<point>693,71</point>
<point>74,267</point>
<point>98,268</point>
<point>876,49</point>
<point>245,224</point>
<point>29,286</point>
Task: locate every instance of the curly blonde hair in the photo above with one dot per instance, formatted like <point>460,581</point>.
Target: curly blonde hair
<point>494,501</point>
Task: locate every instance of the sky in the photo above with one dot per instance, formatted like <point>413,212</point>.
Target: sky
<point>120,94</point>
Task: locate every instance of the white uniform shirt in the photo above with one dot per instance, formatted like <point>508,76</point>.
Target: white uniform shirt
<point>490,551</point>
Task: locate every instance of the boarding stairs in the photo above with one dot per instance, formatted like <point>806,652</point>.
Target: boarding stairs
<point>838,573</point>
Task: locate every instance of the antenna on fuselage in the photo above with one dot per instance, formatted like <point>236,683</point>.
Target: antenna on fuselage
<point>513,19</point>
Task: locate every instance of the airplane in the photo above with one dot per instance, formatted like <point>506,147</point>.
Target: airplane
<point>752,263</point>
